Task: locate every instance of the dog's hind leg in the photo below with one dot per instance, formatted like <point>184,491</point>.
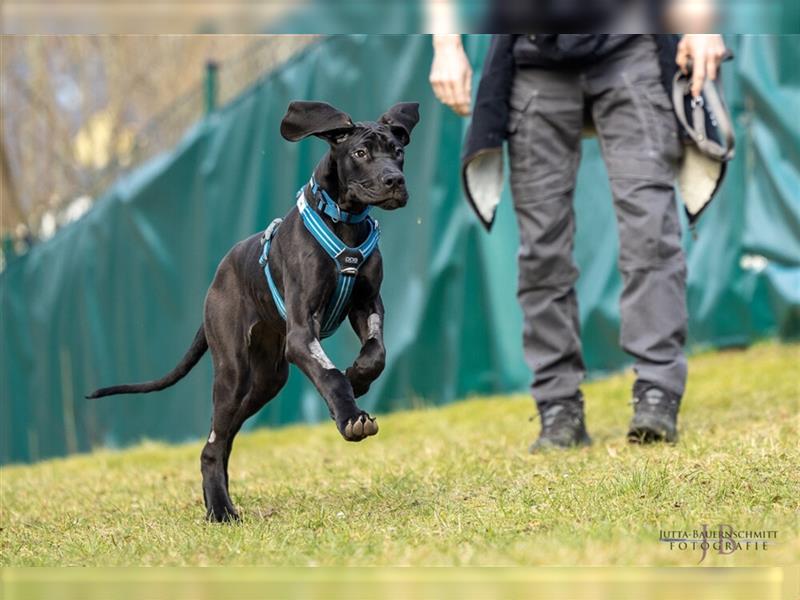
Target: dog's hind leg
<point>269,371</point>
<point>225,323</point>
<point>244,381</point>
<point>230,391</point>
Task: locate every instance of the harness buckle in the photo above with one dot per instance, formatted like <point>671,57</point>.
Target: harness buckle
<point>324,202</point>
<point>349,261</point>
<point>266,240</point>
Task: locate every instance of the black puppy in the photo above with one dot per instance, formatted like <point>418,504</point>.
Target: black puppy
<point>274,296</point>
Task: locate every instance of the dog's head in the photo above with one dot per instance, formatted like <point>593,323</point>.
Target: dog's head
<point>368,156</point>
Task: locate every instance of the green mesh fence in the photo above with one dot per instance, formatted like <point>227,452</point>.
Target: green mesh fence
<point>118,295</point>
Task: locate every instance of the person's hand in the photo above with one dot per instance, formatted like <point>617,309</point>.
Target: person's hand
<point>451,73</point>
<point>705,52</point>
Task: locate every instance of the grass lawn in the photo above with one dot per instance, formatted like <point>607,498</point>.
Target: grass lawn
<point>443,486</point>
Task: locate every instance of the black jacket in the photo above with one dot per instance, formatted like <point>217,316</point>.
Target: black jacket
<point>482,153</point>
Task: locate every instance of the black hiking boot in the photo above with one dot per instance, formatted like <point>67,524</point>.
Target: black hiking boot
<point>562,424</point>
<point>655,414</point>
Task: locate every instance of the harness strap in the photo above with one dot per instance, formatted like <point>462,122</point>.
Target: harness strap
<point>348,260</point>
<point>266,241</point>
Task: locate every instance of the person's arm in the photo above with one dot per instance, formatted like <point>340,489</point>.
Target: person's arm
<point>706,52</point>
<point>451,73</point>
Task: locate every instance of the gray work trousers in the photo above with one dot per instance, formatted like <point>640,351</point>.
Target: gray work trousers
<point>638,136</point>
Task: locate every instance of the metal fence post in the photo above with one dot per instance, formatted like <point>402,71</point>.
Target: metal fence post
<point>7,247</point>
<point>212,69</point>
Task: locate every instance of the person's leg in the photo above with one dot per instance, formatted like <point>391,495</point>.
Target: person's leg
<point>638,135</point>
<point>544,149</point>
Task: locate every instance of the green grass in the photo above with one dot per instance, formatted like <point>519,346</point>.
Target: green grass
<point>444,486</point>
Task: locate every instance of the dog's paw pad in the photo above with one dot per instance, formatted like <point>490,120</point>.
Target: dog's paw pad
<point>359,427</point>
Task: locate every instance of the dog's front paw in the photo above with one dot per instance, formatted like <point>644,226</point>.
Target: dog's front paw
<point>357,428</point>
<point>360,384</point>
<point>362,374</point>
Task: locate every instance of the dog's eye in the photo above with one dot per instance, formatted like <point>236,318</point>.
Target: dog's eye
<point>360,153</point>
<point>398,151</point>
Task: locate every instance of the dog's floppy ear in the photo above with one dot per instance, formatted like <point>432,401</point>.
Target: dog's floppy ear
<point>402,118</point>
<point>303,119</point>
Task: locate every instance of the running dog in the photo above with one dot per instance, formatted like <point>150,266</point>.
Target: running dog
<point>275,295</point>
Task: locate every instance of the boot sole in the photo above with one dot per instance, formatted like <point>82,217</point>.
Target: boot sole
<point>537,447</point>
<point>644,434</point>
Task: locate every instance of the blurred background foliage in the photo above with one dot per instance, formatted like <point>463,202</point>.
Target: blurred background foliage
<point>350,16</point>
<point>79,111</point>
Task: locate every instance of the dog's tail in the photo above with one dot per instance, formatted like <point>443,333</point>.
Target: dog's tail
<point>193,354</point>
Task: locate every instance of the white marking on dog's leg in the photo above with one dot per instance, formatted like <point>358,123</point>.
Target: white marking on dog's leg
<point>319,355</point>
<point>212,438</point>
<point>374,326</point>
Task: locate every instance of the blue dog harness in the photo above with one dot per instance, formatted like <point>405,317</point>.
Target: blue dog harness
<point>348,260</point>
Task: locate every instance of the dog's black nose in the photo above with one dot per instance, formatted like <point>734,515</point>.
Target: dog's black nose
<point>393,179</point>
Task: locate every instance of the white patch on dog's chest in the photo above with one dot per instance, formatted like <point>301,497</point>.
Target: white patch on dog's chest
<point>212,438</point>
<point>315,348</point>
<point>374,326</point>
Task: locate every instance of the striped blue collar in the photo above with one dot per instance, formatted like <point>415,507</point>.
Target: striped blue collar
<point>328,205</point>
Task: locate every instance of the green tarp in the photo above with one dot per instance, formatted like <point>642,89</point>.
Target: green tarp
<point>118,295</point>
<point>410,16</point>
